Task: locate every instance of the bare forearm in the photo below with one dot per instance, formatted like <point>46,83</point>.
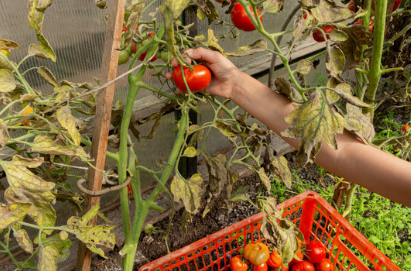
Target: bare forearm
<point>359,163</point>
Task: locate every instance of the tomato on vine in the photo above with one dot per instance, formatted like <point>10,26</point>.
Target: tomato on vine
<point>134,49</point>
<point>256,253</point>
<point>303,266</point>
<point>324,265</point>
<point>197,80</point>
<point>318,35</point>
<point>315,251</point>
<point>237,263</point>
<point>27,111</point>
<point>371,25</point>
<point>405,127</point>
<point>240,18</point>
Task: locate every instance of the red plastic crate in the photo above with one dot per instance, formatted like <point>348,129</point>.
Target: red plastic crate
<point>316,219</point>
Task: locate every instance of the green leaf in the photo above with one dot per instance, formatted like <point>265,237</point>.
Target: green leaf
<point>68,122</point>
<point>189,191</point>
<point>256,47</point>
<point>345,92</point>
<point>264,178</point>
<point>47,75</point>
<point>7,81</point>
<point>329,12</point>
<point>36,16</point>
<point>4,134</point>
<point>303,67</point>
<point>104,218</point>
<point>273,6</point>
<point>27,264</point>
<point>190,152</point>
<point>48,145</point>
<point>240,194</point>
<point>335,61</point>
<point>12,213</point>
<point>359,123</point>
<point>24,241</point>
<point>314,122</point>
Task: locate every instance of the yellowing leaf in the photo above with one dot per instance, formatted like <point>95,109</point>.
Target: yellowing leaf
<point>68,122</point>
<point>359,123</point>
<point>329,12</point>
<point>12,213</point>
<point>7,81</point>
<point>335,61</point>
<point>4,134</point>
<point>273,6</point>
<point>47,75</point>
<point>189,191</point>
<point>345,92</point>
<point>264,178</point>
<point>282,171</point>
<point>47,258</point>
<point>47,145</point>
<point>256,47</point>
<point>303,66</point>
<point>212,42</point>
<point>314,122</point>
<point>190,152</point>
<point>24,240</point>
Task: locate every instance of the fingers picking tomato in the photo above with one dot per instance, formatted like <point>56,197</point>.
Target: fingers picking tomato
<point>324,265</point>
<point>318,35</point>
<point>240,18</point>
<point>405,127</point>
<point>197,80</point>
<point>256,253</point>
<point>303,266</point>
<point>238,264</point>
<point>260,267</point>
<point>315,251</point>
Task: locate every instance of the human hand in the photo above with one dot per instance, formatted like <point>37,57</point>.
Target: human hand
<point>225,75</point>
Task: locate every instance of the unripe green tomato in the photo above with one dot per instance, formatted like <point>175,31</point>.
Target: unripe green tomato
<point>165,56</point>
<point>128,49</point>
<point>144,42</point>
<point>158,54</point>
<point>123,57</point>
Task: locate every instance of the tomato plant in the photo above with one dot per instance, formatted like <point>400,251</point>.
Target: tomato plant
<point>197,80</point>
<point>256,253</point>
<point>240,18</point>
<point>303,266</point>
<point>315,251</point>
<point>318,36</point>
<point>324,265</point>
<point>238,264</point>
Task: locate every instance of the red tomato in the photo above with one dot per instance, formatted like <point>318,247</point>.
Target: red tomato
<point>351,6</point>
<point>397,4</point>
<point>143,55</point>
<point>405,127</point>
<point>318,35</point>
<point>275,259</point>
<point>371,26</point>
<point>237,264</point>
<point>129,189</point>
<point>298,257</point>
<point>303,266</point>
<point>324,265</point>
<point>315,251</point>
<point>261,267</point>
<point>241,20</point>
<point>197,80</point>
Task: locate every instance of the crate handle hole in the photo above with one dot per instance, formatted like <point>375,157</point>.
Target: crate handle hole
<point>311,195</point>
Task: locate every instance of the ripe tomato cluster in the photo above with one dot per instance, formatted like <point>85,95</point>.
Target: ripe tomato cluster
<point>260,257</point>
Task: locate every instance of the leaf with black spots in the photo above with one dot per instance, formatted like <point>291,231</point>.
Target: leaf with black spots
<point>335,61</point>
<point>359,123</point>
<point>12,213</point>
<point>45,144</point>
<point>68,122</point>
<point>345,92</point>
<point>189,191</point>
<point>329,12</point>
<point>207,9</point>
<point>314,122</point>
<point>273,6</point>
<point>7,81</point>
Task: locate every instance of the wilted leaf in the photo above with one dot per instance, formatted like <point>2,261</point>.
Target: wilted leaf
<point>212,42</point>
<point>101,4</point>
<point>24,240</point>
<point>136,8</point>
<point>240,194</point>
<point>41,52</point>
<point>47,258</point>
<point>104,218</point>
<point>301,31</point>
<point>12,213</point>
<point>338,35</point>
<point>47,75</point>
<point>264,178</point>
<point>335,61</point>
<point>329,12</point>
<point>48,145</point>
<point>207,9</point>
<point>8,44</point>
<point>345,92</point>
<point>314,122</point>
<point>189,191</point>
<point>304,66</point>
<point>190,152</point>
<point>273,6</point>
<point>257,47</point>
<point>284,87</point>
<point>85,219</point>
<point>68,122</point>
<point>281,170</point>
<point>268,205</point>
<point>4,134</point>
<point>7,81</point>
<point>359,123</point>
<point>228,131</point>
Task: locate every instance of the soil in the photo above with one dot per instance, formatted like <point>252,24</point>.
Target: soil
<point>153,247</point>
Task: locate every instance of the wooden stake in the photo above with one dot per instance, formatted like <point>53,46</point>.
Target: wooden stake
<point>102,118</point>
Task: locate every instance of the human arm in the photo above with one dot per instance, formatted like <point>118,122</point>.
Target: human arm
<point>363,164</point>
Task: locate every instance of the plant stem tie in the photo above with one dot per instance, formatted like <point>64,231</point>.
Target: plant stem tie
<point>101,192</point>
